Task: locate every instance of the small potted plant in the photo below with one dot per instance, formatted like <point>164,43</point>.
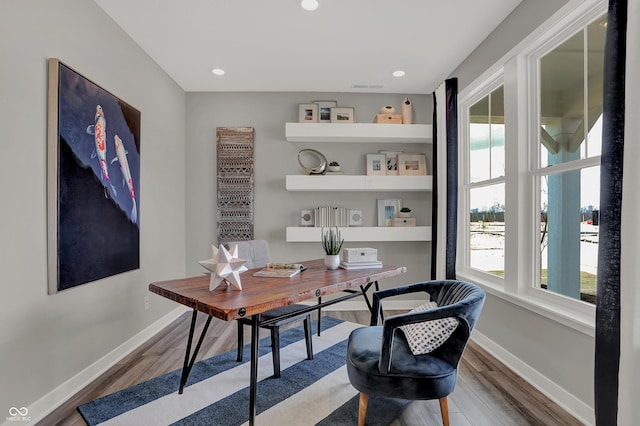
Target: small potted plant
<point>405,212</point>
<point>332,244</point>
<point>334,166</point>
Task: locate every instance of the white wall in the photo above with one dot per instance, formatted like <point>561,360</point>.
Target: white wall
<point>556,357</point>
<point>47,340</point>
<point>275,208</point>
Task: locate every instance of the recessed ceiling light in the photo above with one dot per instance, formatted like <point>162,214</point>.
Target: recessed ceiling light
<point>217,71</point>
<point>398,73</point>
<point>309,4</point>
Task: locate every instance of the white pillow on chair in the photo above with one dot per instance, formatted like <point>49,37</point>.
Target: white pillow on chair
<point>425,337</point>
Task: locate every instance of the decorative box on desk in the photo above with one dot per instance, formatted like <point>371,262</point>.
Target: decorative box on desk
<point>400,221</point>
<point>388,119</point>
<point>359,254</point>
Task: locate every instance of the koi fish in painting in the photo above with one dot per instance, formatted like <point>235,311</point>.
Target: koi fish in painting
<point>121,157</point>
<point>99,130</point>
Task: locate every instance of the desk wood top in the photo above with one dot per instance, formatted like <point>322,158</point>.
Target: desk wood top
<point>261,294</point>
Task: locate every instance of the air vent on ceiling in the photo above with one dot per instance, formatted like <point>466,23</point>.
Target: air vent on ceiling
<point>367,86</point>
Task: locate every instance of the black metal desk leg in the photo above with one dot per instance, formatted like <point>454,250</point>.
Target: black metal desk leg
<point>366,299</point>
<point>319,315</point>
<point>253,383</point>
<point>186,369</point>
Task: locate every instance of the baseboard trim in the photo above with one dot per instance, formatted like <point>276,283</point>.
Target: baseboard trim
<point>559,395</point>
<point>49,402</point>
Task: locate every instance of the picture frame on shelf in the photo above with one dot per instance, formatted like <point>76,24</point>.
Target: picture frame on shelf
<point>343,115</point>
<point>412,165</point>
<point>391,161</point>
<point>324,110</point>
<point>307,113</point>
<point>376,165</point>
<point>388,210</point>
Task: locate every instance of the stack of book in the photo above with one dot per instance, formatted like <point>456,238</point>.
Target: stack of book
<point>280,270</point>
<point>360,258</point>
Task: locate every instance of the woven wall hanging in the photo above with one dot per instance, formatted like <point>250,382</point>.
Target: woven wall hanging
<point>235,183</point>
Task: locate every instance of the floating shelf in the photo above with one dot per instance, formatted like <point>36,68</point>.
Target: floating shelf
<point>358,183</point>
<point>298,234</point>
<point>358,132</point>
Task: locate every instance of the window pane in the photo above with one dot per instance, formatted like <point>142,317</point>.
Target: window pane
<point>569,108</point>
<point>479,134</point>
<point>497,132</point>
<point>595,70</point>
<point>497,150</point>
<point>570,204</point>
<point>486,137</point>
<point>487,229</point>
<point>562,101</point>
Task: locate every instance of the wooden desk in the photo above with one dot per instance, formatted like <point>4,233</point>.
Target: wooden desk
<point>261,294</point>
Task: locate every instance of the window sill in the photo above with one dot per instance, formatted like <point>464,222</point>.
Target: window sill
<point>561,311</point>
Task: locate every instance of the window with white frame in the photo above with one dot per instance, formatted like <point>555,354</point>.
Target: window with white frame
<point>566,159</point>
<point>485,183</point>
<point>548,182</point>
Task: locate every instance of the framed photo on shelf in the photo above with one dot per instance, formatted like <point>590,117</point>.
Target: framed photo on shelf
<point>412,165</point>
<point>388,210</point>
<point>376,165</point>
<point>307,113</point>
<point>392,161</point>
<point>343,115</point>
<point>324,110</point>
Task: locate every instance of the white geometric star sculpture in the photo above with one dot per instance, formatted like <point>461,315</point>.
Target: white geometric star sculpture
<point>225,266</point>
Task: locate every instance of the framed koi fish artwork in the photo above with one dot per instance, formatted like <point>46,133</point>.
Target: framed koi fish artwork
<point>93,181</point>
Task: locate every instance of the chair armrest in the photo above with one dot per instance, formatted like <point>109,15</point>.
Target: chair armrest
<point>383,294</point>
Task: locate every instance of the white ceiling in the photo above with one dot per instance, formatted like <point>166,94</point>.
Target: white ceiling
<point>275,45</point>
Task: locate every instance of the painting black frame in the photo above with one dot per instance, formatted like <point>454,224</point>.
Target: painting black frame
<point>93,222</point>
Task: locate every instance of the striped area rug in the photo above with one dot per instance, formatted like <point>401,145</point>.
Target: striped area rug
<point>309,392</point>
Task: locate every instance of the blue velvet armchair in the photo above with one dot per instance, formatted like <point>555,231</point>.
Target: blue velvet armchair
<point>381,363</point>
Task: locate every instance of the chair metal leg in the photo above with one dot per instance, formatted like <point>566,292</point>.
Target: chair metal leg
<point>362,408</point>
<point>240,341</point>
<point>444,411</point>
<point>275,350</point>
<point>307,336</point>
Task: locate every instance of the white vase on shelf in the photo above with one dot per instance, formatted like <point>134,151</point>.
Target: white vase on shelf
<point>332,261</point>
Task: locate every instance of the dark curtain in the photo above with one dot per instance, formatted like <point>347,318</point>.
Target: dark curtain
<point>435,192</point>
<point>452,176</point>
<point>607,340</point>
<point>445,192</point>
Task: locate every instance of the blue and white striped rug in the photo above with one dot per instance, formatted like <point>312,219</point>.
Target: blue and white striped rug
<point>309,392</point>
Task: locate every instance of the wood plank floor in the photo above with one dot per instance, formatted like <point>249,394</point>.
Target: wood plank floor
<point>487,393</point>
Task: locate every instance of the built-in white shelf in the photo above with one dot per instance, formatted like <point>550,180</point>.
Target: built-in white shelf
<point>358,132</point>
<point>299,234</point>
<point>358,183</point>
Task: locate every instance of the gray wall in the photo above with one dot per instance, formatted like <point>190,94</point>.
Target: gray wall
<point>275,208</point>
<point>46,340</point>
<point>558,352</point>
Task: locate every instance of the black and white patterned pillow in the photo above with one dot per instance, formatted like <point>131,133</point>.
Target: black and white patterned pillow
<point>427,336</point>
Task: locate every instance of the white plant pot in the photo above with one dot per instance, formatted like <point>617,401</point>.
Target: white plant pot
<point>332,261</point>
<point>404,214</point>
